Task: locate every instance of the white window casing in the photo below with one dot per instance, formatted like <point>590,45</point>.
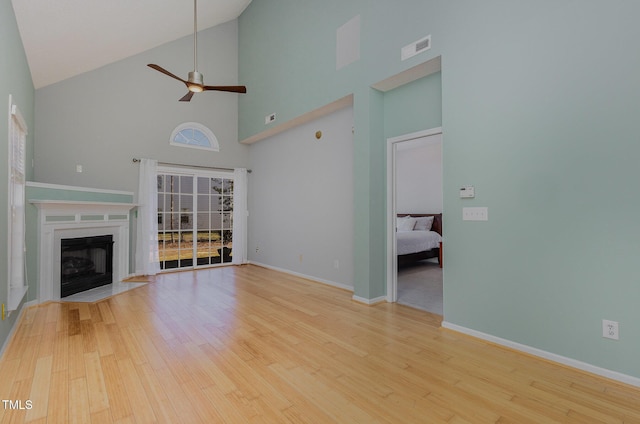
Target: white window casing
<point>16,275</point>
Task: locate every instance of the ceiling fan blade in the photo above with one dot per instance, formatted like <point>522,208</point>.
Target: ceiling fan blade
<point>230,88</point>
<point>187,97</point>
<point>164,71</point>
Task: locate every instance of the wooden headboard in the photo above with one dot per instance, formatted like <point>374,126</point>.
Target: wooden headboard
<point>437,220</point>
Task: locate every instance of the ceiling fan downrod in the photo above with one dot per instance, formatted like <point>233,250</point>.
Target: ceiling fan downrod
<point>195,78</point>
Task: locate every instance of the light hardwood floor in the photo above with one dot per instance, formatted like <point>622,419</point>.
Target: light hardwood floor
<point>247,344</point>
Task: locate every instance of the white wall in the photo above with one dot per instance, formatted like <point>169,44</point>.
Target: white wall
<point>419,175</point>
<point>301,200</point>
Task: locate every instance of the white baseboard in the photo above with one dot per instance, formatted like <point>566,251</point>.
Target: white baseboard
<point>573,363</point>
<point>327,282</point>
<point>370,301</point>
<point>30,303</point>
<point>308,277</point>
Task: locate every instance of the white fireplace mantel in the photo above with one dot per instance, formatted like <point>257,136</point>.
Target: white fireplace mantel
<point>79,206</point>
<point>60,219</point>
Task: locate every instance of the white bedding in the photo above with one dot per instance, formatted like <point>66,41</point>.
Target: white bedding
<point>416,241</point>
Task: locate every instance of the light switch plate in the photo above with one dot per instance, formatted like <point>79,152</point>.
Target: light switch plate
<point>475,214</point>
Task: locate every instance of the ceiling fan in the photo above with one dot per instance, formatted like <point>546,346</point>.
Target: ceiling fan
<point>195,82</point>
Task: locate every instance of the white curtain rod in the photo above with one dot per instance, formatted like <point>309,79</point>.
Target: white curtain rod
<point>135,160</point>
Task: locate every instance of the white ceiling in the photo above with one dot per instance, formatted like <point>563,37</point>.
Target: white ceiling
<point>64,38</point>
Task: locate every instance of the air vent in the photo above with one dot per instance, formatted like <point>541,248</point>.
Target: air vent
<point>416,47</point>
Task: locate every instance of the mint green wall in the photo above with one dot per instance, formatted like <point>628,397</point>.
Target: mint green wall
<point>539,105</point>
<point>55,193</point>
<point>303,68</point>
<point>293,45</point>
<point>544,125</point>
<point>15,79</point>
<point>413,107</point>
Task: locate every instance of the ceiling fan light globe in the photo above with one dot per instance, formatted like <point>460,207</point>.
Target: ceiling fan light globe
<point>195,88</point>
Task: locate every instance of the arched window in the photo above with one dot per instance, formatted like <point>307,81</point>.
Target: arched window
<point>197,136</point>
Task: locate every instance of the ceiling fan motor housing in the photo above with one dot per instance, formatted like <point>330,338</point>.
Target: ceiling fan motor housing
<point>195,77</point>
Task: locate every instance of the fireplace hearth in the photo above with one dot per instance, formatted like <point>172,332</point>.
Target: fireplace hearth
<point>85,263</point>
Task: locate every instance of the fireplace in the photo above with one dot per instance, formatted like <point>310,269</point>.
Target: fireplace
<point>85,263</point>
<point>72,220</point>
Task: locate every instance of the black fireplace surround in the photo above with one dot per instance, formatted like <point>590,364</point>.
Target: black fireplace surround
<point>86,263</point>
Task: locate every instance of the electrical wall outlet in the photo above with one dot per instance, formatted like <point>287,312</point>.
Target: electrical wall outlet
<point>269,118</point>
<point>610,329</point>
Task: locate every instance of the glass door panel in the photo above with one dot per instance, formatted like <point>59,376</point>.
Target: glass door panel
<point>175,222</point>
<point>218,192</point>
<point>194,220</point>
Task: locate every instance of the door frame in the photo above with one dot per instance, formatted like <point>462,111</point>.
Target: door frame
<point>392,258</point>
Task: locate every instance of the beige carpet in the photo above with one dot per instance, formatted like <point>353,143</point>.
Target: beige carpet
<point>420,286</point>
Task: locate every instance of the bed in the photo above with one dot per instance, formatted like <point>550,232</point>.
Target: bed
<point>418,237</point>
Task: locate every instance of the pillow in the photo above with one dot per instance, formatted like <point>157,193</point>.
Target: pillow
<point>406,223</point>
<point>423,223</point>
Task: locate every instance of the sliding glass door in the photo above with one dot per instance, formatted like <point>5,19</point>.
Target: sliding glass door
<point>195,219</point>
<point>214,233</point>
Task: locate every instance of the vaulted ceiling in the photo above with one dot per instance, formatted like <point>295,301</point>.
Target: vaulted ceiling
<point>64,38</point>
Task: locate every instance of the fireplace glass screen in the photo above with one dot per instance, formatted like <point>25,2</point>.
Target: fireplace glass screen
<point>86,263</point>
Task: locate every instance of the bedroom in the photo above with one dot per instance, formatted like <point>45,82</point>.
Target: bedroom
<point>498,288</point>
<point>418,191</point>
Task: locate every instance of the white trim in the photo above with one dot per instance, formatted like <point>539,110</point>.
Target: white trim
<point>302,119</point>
<point>308,277</point>
<point>61,205</point>
<point>366,301</point>
<point>74,188</point>
<point>422,70</point>
<point>15,293</point>
<point>392,259</point>
<point>19,118</point>
<point>193,171</point>
<point>415,135</point>
<point>573,363</point>
<point>15,296</point>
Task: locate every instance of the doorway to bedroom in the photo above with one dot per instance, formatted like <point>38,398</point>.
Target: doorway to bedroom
<point>415,220</point>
